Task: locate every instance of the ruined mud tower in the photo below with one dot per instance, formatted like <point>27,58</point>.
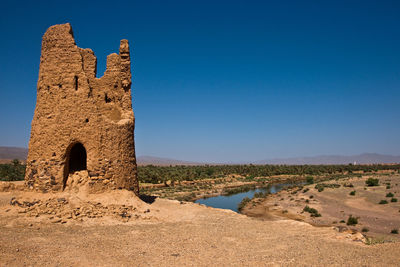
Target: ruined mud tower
<point>81,122</point>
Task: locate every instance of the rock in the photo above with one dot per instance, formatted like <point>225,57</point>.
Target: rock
<point>57,220</point>
<point>340,228</point>
<point>62,200</point>
<point>358,237</point>
<point>14,202</point>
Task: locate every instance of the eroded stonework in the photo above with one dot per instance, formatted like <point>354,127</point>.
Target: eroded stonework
<point>81,122</point>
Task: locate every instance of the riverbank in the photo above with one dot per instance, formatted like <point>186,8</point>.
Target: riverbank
<point>332,203</point>
<point>231,184</point>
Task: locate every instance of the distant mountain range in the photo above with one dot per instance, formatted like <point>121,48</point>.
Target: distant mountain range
<point>366,158</point>
<point>9,153</point>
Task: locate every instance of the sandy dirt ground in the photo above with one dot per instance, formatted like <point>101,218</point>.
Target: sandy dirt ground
<point>336,204</point>
<point>117,229</point>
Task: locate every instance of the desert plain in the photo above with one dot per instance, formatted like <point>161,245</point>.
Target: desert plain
<point>116,228</point>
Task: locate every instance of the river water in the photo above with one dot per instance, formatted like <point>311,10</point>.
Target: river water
<point>231,202</point>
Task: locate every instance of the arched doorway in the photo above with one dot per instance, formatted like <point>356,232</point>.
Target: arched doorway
<point>75,160</point>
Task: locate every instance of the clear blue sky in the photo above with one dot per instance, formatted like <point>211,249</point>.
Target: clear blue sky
<point>222,81</point>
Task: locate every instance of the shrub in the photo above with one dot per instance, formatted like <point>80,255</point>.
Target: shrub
<point>389,195</point>
<point>375,240</point>
<point>393,200</point>
<point>310,180</point>
<point>14,171</point>
<point>306,190</point>
<point>313,212</point>
<point>236,190</point>
<point>352,193</point>
<point>383,202</point>
<point>243,203</point>
<point>342,221</point>
<point>394,231</point>
<point>352,220</point>
<point>319,187</point>
<point>372,182</point>
<point>248,178</point>
<point>306,208</point>
<point>388,187</point>
<point>364,230</point>
<point>187,198</point>
<point>260,194</point>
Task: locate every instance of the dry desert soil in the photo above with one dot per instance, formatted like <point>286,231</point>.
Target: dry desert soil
<point>336,203</point>
<point>117,229</point>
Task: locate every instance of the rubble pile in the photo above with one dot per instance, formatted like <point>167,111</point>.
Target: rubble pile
<point>61,210</point>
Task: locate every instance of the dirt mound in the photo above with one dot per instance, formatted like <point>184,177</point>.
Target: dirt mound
<point>77,203</point>
<point>62,210</point>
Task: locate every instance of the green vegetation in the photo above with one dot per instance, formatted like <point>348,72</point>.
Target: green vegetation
<point>313,212</point>
<point>321,187</point>
<point>348,185</point>
<point>243,203</point>
<point>395,231</point>
<point>236,190</point>
<point>352,193</point>
<point>372,182</point>
<point>393,200</point>
<point>390,195</point>
<point>375,240</point>
<point>186,198</point>
<point>352,220</point>
<point>364,230</point>
<point>160,174</point>
<point>260,194</point>
<point>306,190</point>
<point>14,171</point>
<point>383,201</point>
